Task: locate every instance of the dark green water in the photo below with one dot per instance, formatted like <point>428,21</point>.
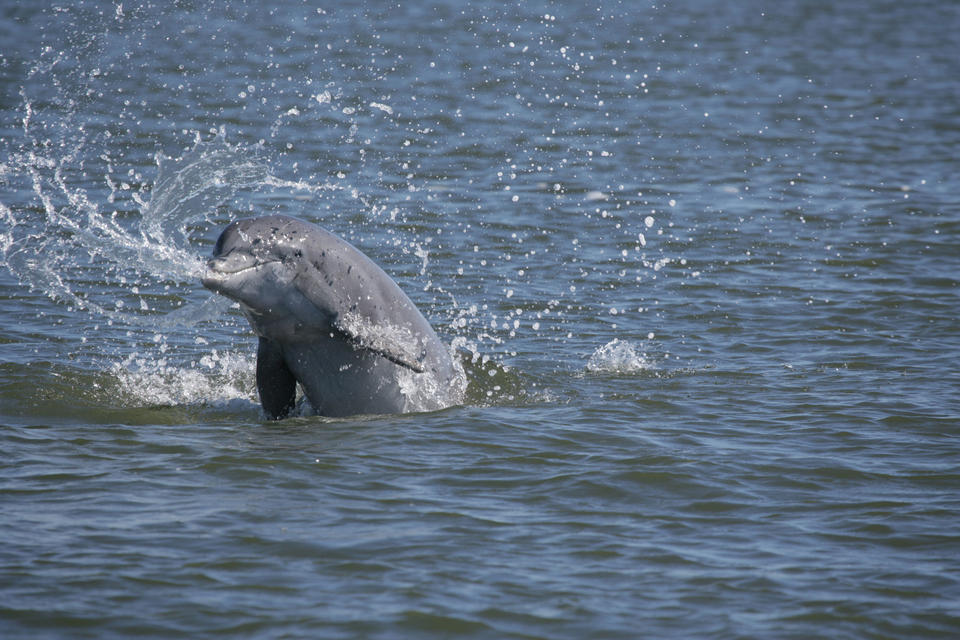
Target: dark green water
<point>702,262</point>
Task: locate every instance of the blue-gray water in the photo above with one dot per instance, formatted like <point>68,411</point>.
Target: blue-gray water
<point>701,258</point>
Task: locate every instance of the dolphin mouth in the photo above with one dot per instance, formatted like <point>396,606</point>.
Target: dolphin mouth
<point>213,280</point>
<point>221,271</point>
<point>231,264</point>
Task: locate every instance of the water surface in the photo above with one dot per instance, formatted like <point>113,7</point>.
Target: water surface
<point>701,262</point>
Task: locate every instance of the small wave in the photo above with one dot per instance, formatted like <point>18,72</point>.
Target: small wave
<point>618,356</point>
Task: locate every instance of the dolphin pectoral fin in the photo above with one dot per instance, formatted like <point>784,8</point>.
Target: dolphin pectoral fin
<point>392,350</point>
<point>276,384</point>
<point>384,351</point>
<point>399,359</point>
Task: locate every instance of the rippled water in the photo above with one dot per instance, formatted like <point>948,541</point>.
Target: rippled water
<point>701,261</point>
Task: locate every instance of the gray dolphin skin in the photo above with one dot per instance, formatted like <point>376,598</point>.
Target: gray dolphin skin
<point>330,319</point>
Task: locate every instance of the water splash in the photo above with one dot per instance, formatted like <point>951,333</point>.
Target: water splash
<point>189,189</point>
<point>140,263</point>
<point>217,379</point>
<point>618,357</point>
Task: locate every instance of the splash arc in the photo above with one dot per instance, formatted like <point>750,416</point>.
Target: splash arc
<point>331,320</point>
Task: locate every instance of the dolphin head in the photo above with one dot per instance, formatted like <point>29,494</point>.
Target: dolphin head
<point>255,262</point>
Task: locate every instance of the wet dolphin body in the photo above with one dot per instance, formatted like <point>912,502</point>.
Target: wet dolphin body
<point>332,320</point>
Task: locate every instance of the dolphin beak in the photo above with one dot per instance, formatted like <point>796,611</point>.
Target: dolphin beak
<point>213,277</point>
<point>233,262</point>
<point>223,270</point>
<point>220,269</point>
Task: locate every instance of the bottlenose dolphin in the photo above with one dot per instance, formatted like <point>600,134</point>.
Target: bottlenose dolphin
<point>330,319</point>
